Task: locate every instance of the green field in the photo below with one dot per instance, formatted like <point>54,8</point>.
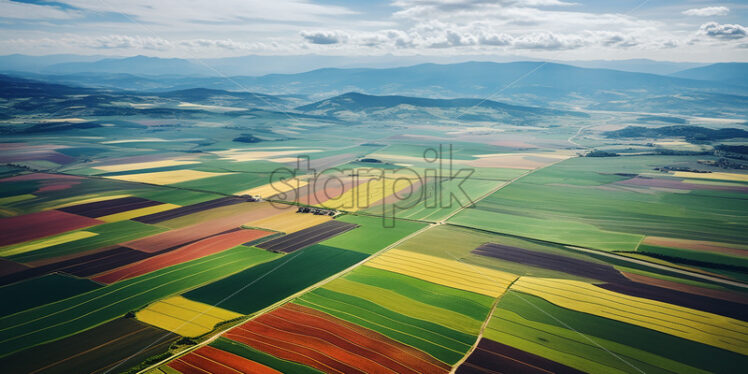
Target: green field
<point>43,290</point>
<point>573,202</point>
<point>108,234</point>
<point>250,353</point>
<point>434,308</point>
<point>586,341</point>
<point>434,201</point>
<point>466,303</point>
<point>443,343</point>
<point>69,316</point>
<point>93,187</point>
<point>700,256</point>
<point>371,235</point>
<point>255,288</point>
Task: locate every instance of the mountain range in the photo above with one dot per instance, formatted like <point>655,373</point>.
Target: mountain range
<point>717,89</point>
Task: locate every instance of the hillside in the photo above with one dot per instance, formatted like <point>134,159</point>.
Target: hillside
<point>354,104</point>
<point>727,72</point>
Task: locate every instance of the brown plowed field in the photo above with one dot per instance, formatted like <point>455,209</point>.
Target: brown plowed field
<point>717,294</point>
<point>199,249</point>
<point>8,267</point>
<point>306,237</point>
<point>573,266</point>
<point>107,207</point>
<point>493,357</point>
<point>81,266</point>
<point>190,209</point>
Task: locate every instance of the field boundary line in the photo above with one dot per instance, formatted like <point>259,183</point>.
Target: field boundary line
<point>283,301</point>
<point>482,329</point>
<point>508,288</point>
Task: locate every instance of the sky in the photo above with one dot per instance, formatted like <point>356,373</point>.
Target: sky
<point>686,30</point>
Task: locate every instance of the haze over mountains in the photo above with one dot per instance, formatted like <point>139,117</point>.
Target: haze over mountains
<point>717,89</point>
<point>254,65</point>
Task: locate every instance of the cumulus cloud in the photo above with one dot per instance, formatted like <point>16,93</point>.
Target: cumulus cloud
<point>548,41</point>
<point>324,37</point>
<point>619,40</point>
<point>723,31</point>
<point>127,42</point>
<point>708,11</point>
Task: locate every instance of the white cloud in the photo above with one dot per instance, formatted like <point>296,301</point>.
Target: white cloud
<point>708,11</point>
<point>127,42</point>
<point>723,31</point>
<point>181,12</point>
<point>324,37</point>
<point>12,9</point>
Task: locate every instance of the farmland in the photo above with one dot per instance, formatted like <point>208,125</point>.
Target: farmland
<point>176,227</point>
<point>63,318</point>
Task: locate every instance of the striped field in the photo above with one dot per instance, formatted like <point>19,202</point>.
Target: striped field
<point>445,272</point>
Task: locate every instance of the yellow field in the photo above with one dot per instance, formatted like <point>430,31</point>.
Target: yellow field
<point>364,195</point>
<point>137,213</point>
<point>15,198</point>
<point>144,165</point>
<point>691,324</point>
<point>241,155</point>
<point>289,221</point>
<point>268,190</point>
<point>167,177</point>
<point>44,243</point>
<point>92,198</point>
<point>717,175</point>
<point>448,273</point>
<point>184,317</point>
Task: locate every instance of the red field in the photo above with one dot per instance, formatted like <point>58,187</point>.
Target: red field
<point>316,339</point>
<point>192,233</point>
<point>19,152</point>
<point>48,182</point>
<point>38,225</point>
<point>215,361</point>
<point>201,248</point>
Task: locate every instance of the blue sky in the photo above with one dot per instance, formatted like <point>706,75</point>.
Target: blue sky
<point>690,30</point>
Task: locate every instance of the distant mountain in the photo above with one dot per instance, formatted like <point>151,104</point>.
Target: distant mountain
<point>728,72</point>
<point>27,63</point>
<point>24,97</point>
<point>636,65</point>
<point>699,104</point>
<point>139,65</point>
<point>540,84</point>
<point>256,65</point>
<point>14,87</point>
<point>354,104</point>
